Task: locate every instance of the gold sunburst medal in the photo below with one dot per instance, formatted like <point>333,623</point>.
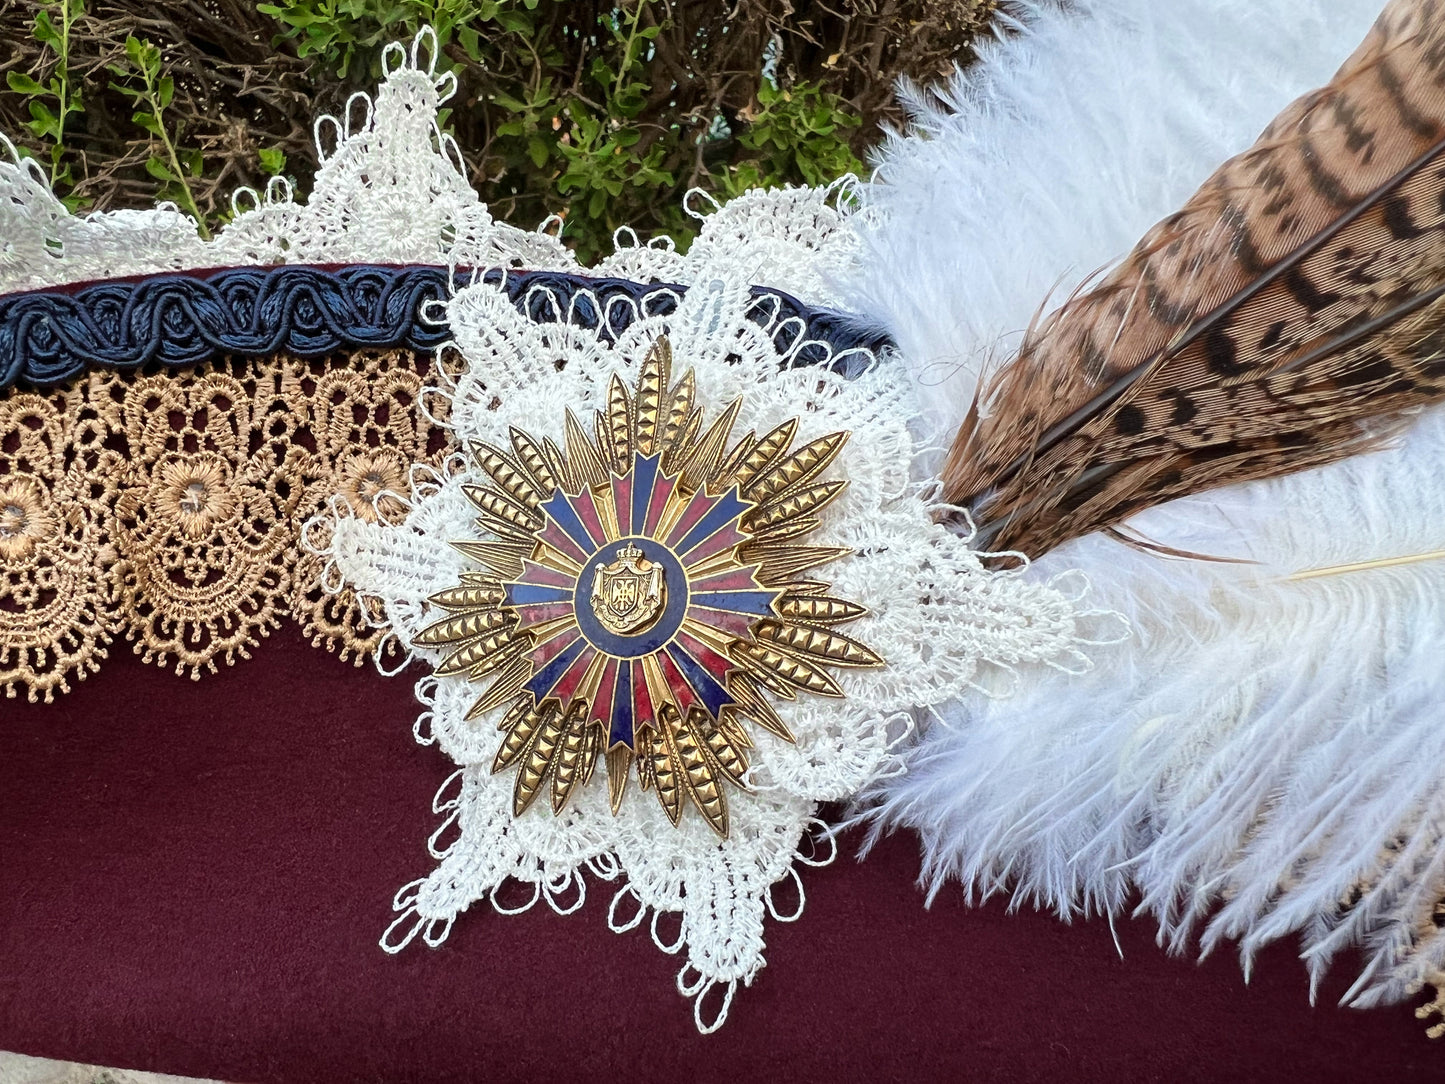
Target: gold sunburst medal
<point>642,601</point>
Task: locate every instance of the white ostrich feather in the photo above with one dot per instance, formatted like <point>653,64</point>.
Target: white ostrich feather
<point>1266,756</point>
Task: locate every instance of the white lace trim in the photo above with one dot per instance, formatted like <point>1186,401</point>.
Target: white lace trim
<point>391,189</point>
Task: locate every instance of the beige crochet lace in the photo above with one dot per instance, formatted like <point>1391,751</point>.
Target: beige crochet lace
<point>166,508</point>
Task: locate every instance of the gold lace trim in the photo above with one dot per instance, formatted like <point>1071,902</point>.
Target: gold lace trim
<point>168,507</point>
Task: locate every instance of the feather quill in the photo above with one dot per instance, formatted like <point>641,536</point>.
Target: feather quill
<point>1286,317</point>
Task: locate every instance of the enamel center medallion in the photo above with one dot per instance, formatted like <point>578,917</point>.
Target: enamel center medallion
<point>642,595</point>
<point>629,593</point>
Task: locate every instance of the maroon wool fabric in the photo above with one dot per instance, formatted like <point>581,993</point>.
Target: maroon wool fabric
<point>194,875</point>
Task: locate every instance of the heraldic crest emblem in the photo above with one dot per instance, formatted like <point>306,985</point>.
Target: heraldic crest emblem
<point>628,594</point>
<point>642,597</point>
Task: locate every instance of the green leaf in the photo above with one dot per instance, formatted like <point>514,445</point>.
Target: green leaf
<point>538,151</point>
<point>514,22</point>
<point>22,83</point>
<point>157,168</point>
<point>45,123</point>
<point>273,160</point>
<point>45,32</point>
<point>165,91</point>
<point>143,119</point>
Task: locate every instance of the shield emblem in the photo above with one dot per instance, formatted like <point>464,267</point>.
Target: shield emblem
<point>629,593</point>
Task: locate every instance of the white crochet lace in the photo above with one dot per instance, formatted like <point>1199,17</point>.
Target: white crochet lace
<point>392,190</point>
<point>937,616</point>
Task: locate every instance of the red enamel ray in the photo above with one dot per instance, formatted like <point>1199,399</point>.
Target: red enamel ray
<point>536,613</point>
<point>543,576</point>
<point>622,503</point>
<point>707,658</point>
<point>682,693</point>
<point>602,701</point>
<point>560,541</point>
<point>698,507</point>
<point>722,539</point>
<point>566,687</point>
<point>643,712</point>
<point>733,579</point>
<point>660,492</point>
<point>734,623</point>
<point>548,650</point>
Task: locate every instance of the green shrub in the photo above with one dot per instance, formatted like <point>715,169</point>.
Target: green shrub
<point>604,113</point>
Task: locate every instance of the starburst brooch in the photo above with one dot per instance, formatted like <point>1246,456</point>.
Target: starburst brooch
<point>642,595</point>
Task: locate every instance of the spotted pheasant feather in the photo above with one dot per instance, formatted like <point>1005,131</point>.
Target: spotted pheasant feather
<point>1290,314</point>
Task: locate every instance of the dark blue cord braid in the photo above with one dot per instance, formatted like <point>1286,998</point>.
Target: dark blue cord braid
<point>48,336</point>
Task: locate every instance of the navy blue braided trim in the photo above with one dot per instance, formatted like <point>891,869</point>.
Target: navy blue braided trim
<point>49,336</point>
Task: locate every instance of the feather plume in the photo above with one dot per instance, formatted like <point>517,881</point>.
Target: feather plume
<point>1282,319</point>
<point>1264,756</point>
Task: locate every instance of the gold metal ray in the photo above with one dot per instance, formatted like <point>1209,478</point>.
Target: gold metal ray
<point>766,661</point>
<point>677,451</point>
<point>557,464</point>
<point>756,706</point>
<point>761,457</point>
<point>794,504</point>
<point>819,609</point>
<point>619,765</point>
<point>520,707</point>
<point>809,587</point>
<point>698,466</point>
<point>651,383</point>
<point>726,751</point>
<point>787,529</point>
<point>519,737</point>
<point>645,778</point>
<point>567,762</point>
<point>470,625</point>
<point>730,723</point>
<point>617,425</point>
<point>698,769</point>
<point>514,482</point>
<point>816,644</point>
<point>607,516</point>
<point>779,564</point>
<point>679,409</point>
<point>515,518</point>
<point>530,459</point>
<point>727,470</point>
<point>504,687</point>
<point>583,459</point>
<point>664,771</point>
<point>470,596</point>
<point>486,653</point>
<point>548,557</point>
<point>595,737</point>
<point>797,468</point>
<point>521,643</point>
<point>538,759</point>
<point>502,557</point>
